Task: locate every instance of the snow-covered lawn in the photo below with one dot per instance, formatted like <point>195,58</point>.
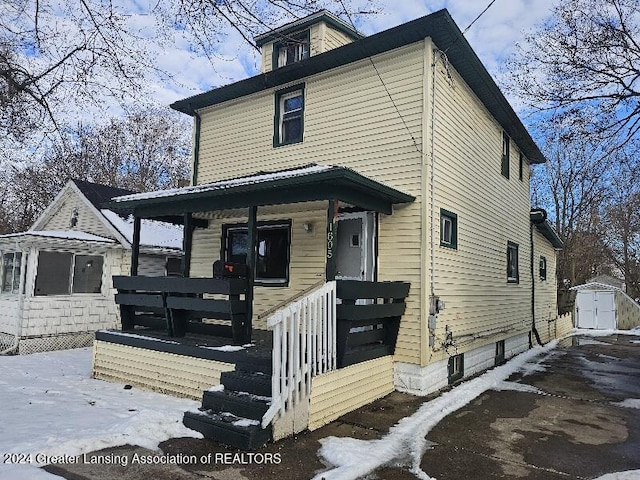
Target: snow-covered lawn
<point>52,406</point>
<point>405,443</point>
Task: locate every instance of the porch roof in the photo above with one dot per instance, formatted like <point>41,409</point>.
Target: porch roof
<point>308,183</point>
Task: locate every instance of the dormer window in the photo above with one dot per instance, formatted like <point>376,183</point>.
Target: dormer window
<point>292,48</point>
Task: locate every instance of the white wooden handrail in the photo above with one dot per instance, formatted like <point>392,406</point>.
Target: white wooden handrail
<point>304,345</point>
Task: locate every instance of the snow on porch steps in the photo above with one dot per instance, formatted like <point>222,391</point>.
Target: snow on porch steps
<point>164,372</point>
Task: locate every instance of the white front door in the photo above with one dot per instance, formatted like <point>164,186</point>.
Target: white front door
<point>355,245</point>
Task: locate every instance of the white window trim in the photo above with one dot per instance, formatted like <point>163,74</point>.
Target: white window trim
<point>283,98</point>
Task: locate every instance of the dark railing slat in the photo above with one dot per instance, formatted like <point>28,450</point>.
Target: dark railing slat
<point>370,336</point>
<point>206,305</point>
<point>369,312</point>
<point>354,289</point>
<point>358,346</point>
<point>226,286</point>
<point>140,299</point>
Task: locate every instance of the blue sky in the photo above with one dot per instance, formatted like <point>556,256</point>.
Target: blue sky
<point>492,37</point>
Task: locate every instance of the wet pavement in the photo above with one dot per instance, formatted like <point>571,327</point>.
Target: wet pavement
<point>564,418</point>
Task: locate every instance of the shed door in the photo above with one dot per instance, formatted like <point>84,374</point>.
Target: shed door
<point>605,310</point>
<point>586,309</point>
<point>596,309</point>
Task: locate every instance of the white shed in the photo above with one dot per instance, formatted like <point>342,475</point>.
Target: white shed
<point>604,307</point>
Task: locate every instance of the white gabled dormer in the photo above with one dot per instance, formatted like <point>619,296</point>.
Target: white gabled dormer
<point>303,38</point>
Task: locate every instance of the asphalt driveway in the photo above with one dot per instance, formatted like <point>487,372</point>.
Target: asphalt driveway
<point>574,414</point>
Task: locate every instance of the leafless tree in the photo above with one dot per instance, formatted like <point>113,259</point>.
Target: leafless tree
<point>58,55</point>
<point>149,149</point>
<point>583,66</point>
<point>621,217</point>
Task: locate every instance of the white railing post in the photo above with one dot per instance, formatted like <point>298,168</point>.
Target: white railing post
<point>304,345</point>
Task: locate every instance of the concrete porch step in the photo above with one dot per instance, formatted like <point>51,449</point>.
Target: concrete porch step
<point>228,429</point>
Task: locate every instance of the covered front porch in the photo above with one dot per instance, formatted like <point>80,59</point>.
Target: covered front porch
<point>267,235</point>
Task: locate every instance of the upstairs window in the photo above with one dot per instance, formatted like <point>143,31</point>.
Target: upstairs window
<point>11,272</point>
<point>291,49</point>
<point>448,229</point>
<point>543,268</point>
<point>512,263</point>
<point>289,117</point>
<point>505,155</point>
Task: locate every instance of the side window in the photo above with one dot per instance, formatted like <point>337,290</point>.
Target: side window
<point>289,116</point>
<point>520,166</point>
<point>448,229</point>
<point>293,48</point>
<point>505,155</point>
<point>512,263</point>
<point>62,273</point>
<point>87,274</point>
<point>11,272</point>
<point>543,268</point>
<point>173,267</point>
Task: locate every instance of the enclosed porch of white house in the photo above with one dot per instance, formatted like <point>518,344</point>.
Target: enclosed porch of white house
<point>55,290</point>
<point>310,334</point>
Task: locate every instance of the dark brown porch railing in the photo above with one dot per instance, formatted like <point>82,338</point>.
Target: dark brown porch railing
<point>368,330</point>
<point>178,306</point>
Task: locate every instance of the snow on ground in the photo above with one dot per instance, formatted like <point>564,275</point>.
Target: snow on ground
<point>51,406</point>
<point>629,403</point>
<point>628,475</point>
<point>406,443</point>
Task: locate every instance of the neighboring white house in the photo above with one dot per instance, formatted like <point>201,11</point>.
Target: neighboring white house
<point>604,307</point>
<point>56,288</point>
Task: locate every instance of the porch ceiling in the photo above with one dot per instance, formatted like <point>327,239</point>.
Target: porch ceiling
<point>309,183</point>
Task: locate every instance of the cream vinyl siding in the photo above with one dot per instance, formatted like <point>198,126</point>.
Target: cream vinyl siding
<point>267,57</point>
<point>307,250</point>
<point>162,372</point>
<point>546,296</point>
<point>347,389</point>
<point>334,38</point>
<point>60,217</point>
<point>627,312</point>
<point>349,120</point>
<point>481,307</point>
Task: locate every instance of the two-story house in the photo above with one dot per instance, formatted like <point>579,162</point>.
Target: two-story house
<point>378,190</point>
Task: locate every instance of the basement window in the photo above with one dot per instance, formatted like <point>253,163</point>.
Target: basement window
<point>456,368</point>
<point>499,360</point>
<point>11,272</point>
<point>63,273</point>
